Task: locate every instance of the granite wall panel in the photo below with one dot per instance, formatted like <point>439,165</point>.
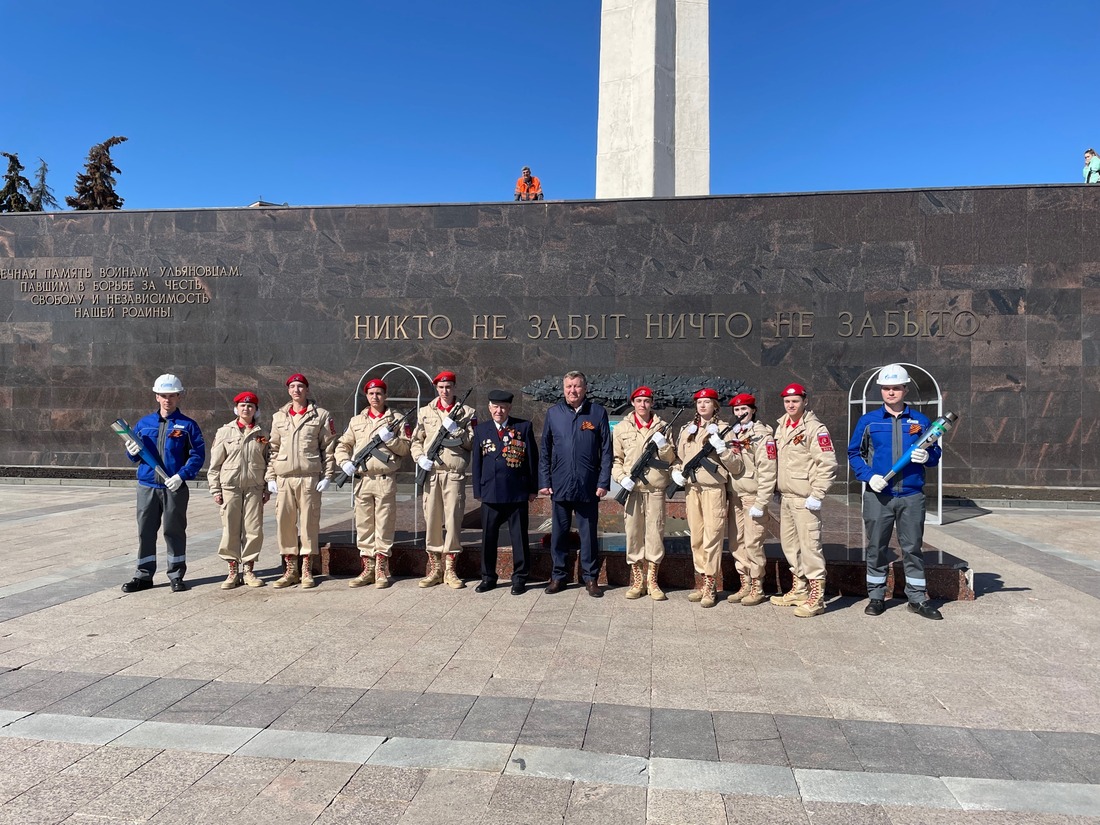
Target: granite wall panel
<point>996,292</point>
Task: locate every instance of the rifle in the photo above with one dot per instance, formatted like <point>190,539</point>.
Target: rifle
<point>938,429</point>
<point>648,459</point>
<point>701,458</point>
<point>147,456</point>
<point>437,444</point>
<point>371,449</point>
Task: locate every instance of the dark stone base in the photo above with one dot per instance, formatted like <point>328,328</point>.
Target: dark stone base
<point>949,578</point>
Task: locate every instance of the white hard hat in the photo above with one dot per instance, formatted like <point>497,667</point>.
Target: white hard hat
<point>167,383</point>
<point>892,375</point>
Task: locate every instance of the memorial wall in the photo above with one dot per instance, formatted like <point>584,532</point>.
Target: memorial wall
<point>994,291</point>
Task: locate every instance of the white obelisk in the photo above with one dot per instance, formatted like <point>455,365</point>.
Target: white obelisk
<point>653,133</point>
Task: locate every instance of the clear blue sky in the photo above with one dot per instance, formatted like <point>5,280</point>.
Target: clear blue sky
<point>337,102</point>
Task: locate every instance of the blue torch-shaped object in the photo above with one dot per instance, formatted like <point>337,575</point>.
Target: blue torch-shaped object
<point>939,428</point>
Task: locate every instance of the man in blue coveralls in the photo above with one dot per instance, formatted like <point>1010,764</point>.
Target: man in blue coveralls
<point>176,441</point>
<point>882,437</point>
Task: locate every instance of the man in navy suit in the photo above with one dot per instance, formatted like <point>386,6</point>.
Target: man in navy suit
<point>505,470</point>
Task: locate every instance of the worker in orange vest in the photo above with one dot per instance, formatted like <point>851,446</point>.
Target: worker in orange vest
<point>528,187</point>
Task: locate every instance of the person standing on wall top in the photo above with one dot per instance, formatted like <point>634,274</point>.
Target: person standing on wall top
<point>575,470</point>
<point>1092,166</point>
<point>375,482</point>
<point>506,480</point>
<point>176,441</point>
<point>303,437</point>
<point>445,480</point>
<point>880,439</point>
<point>238,464</point>
<point>807,468</point>
<point>528,187</point>
<point>644,513</point>
<point>751,490</point>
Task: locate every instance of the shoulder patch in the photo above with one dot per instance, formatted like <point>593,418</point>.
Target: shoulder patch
<point>332,425</point>
<point>824,442</point>
<point>773,453</point>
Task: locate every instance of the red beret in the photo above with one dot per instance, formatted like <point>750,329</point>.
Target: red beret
<point>375,382</point>
<point>301,379</point>
<point>743,399</point>
<point>707,392</point>
<point>446,375</point>
<point>247,398</point>
<point>793,389</point>
<point>641,392</point>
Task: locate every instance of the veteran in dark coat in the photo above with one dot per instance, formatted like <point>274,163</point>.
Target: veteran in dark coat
<point>505,475</point>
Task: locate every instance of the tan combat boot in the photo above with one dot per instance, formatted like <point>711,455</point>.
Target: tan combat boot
<point>637,582</point>
<point>796,595</point>
<point>250,577</point>
<point>367,576</point>
<point>382,571</point>
<point>756,593</point>
<point>434,575</point>
<point>307,572</point>
<point>815,600</point>
<point>696,595</point>
<point>742,591</point>
<point>450,577</point>
<point>233,579</point>
<point>709,598</point>
<point>655,591</point>
<point>290,572</point>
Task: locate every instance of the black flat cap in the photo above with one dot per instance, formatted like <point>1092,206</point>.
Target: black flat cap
<point>500,397</point>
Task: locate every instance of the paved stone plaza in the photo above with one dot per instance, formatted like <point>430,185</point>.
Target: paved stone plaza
<point>440,706</point>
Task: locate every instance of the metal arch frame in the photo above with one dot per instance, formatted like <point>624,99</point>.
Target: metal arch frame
<point>931,516</point>
<point>415,373</point>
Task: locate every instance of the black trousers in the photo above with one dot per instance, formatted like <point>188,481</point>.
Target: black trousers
<point>493,517</point>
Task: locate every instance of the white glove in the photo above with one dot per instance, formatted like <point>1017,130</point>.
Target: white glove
<point>425,463</point>
<point>691,428</point>
<point>133,448</point>
<point>273,488</point>
<point>877,483</point>
<point>449,423</point>
<point>919,456</point>
<point>322,485</point>
<point>627,483</point>
<point>718,444</point>
<point>813,503</point>
<point>712,428</point>
<point>349,468</point>
<point>173,483</point>
<point>678,477</point>
<point>756,512</point>
<point>385,435</point>
<point>660,440</point>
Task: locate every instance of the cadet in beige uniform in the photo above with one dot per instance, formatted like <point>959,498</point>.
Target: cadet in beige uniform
<point>751,491</point>
<point>807,466</point>
<point>445,488</point>
<point>375,485</point>
<point>705,497</point>
<point>303,437</point>
<point>238,462</point>
<point>645,505</point>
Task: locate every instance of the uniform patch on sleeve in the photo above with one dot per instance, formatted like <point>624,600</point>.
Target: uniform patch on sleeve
<point>824,442</point>
<point>332,425</point>
<point>773,453</point>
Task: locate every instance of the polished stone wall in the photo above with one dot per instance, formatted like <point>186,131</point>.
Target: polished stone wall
<point>995,292</point>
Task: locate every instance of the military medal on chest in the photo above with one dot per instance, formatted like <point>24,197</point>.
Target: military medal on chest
<point>514,449</point>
